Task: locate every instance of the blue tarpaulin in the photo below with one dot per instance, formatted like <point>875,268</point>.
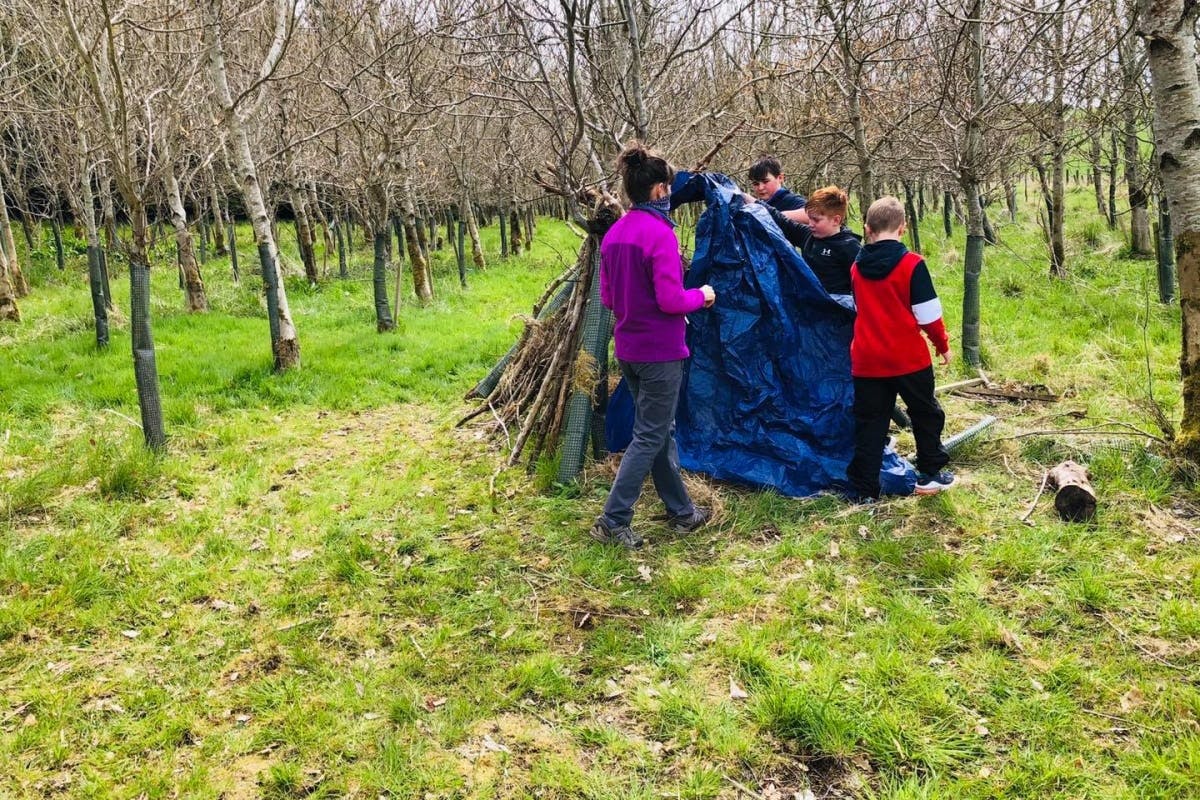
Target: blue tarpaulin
<point>768,396</point>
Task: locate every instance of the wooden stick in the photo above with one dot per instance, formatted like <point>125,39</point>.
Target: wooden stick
<point>1129,640</point>
<point>746,790</point>
<point>702,164</point>
<point>1124,720</point>
<point>1033,505</point>
<point>412,639</point>
<point>950,387</point>
<point>983,391</point>
<point>1096,430</point>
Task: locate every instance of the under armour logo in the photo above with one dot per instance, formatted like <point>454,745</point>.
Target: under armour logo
<point>826,252</point>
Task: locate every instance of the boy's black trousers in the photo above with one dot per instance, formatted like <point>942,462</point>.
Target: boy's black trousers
<point>874,399</point>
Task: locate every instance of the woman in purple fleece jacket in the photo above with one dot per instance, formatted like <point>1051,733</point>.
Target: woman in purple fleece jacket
<point>641,280</point>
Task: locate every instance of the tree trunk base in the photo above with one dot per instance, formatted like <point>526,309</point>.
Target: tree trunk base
<point>287,354</point>
<point>1186,446</point>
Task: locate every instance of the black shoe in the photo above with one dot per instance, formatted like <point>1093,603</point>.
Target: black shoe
<point>687,523</point>
<point>932,484</point>
<point>621,534</point>
<point>855,499</point>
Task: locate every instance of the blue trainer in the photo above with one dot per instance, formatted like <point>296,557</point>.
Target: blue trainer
<point>932,484</point>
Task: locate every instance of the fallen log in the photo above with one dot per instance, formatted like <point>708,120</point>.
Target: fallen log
<point>951,387</point>
<point>1011,395</point>
<point>1075,500</point>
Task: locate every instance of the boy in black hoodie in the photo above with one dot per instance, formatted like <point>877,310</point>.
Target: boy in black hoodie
<point>896,301</point>
<point>828,247</point>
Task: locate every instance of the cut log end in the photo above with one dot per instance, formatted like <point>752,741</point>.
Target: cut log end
<point>1075,504</point>
<point>1075,500</point>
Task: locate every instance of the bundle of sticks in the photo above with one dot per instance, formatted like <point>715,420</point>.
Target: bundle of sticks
<point>528,404</point>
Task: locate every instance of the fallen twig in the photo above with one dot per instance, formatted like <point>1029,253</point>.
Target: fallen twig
<point>1125,637</point>
<point>1096,430</point>
<point>1038,496</point>
<point>1124,720</point>
<point>15,711</point>
<point>743,788</point>
<point>421,652</point>
<point>1002,394</point>
<point>130,420</point>
<point>950,387</point>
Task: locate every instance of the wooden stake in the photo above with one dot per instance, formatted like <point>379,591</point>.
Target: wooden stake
<point>702,164</point>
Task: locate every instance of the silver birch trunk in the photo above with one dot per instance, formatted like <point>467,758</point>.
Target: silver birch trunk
<point>193,285</point>
<point>1169,28</point>
<point>473,231</point>
<point>633,73</point>
<point>285,344</point>
<point>1140,241</point>
<point>969,180</point>
<point>111,236</point>
<point>422,286</point>
<point>866,171</point>
<point>8,299</point>
<point>304,235</point>
<point>1096,152</point>
<point>218,217</point>
<point>95,254</point>
<point>1058,147</point>
<point>421,283</point>
<point>319,218</point>
<point>16,278</point>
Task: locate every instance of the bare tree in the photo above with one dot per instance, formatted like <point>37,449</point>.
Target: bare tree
<point>1169,29</point>
<point>1132,67</point>
<point>18,285</point>
<point>8,298</point>
<point>193,284</point>
<point>236,111</point>
<point>106,51</point>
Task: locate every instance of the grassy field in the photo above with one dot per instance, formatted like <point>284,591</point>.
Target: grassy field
<point>321,590</point>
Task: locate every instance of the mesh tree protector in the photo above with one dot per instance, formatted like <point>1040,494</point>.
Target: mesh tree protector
<point>768,395</point>
<point>597,330</point>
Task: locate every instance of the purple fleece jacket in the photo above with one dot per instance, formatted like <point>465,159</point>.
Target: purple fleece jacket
<point>641,280</point>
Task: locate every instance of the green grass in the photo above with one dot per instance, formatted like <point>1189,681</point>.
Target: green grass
<point>324,589</point>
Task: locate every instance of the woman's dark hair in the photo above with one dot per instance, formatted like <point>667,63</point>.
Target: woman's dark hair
<point>640,169</point>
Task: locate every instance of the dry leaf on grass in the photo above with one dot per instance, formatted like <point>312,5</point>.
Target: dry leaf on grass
<point>1010,639</point>
<point>493,745</point>
<point>1132,699</point>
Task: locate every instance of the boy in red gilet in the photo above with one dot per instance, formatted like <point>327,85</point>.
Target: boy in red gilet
<point>896,301</point>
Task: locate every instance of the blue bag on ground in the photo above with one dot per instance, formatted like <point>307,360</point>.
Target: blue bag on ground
<point>618,421</point>
<point>768,396</point>
<point>896,476</point>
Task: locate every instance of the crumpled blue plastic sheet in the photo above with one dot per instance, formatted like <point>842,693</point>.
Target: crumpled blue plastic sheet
<point>768,396</point>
